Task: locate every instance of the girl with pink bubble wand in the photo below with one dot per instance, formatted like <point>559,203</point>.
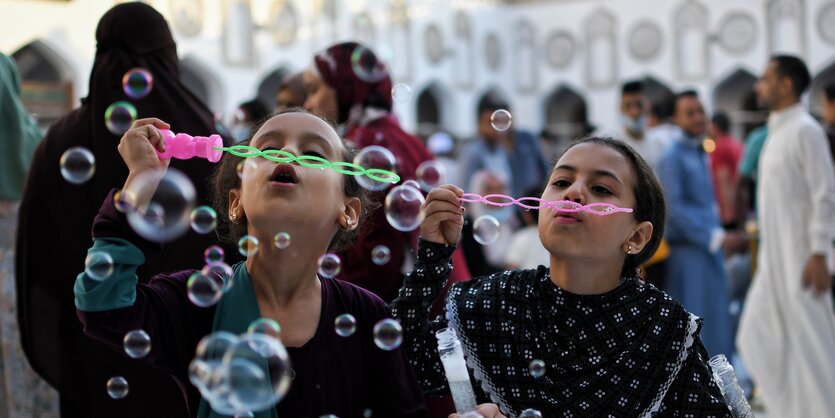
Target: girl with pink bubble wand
<point>583,336</point>
<point>333,369</point>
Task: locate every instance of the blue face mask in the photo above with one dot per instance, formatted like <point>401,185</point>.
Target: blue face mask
<point>633,125</point>
<point>240,132</point>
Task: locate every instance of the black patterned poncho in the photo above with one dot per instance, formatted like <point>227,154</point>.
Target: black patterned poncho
<point>631,352</point>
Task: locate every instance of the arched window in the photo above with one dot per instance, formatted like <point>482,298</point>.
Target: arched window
<point>399,41</point>
<point>785,20</point>
<point>601,50</point>
<point>268,87</point>
<point>430,110</point>
<point>659,95</point>
<point>525,57</point>
<point>205,85</point>
<point>463,72</point>
<point>735,96</point>
<point>691,41</point>
<point>46,82</point>
<point>238,28</point>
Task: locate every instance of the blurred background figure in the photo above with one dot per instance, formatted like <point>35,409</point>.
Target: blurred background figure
<point>695,269</point>
<point>359,99</point>
<point>511,151</point>
<point>56,218</point>
<point>484,260</point>
<point>442,146</point>
<point>290,92</point>
<point>248,118</point>
<point>634,127</point>
<point>22,393</point>
<point>829,115</point>
<point>787,330</point>
<point>724,161</point>
<point>525,250</point>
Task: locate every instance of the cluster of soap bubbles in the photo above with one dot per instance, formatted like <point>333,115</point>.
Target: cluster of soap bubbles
<point>240,374</point>
<point>205,287</point>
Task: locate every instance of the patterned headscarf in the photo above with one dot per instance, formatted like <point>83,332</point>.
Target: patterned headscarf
<point>358,77</point>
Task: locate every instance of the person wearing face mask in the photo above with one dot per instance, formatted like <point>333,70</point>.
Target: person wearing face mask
<point>488,259</point>
<point>633,129</point>
<point>695,272</point>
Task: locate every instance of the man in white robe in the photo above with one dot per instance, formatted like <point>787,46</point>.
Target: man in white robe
<point>787,330</point>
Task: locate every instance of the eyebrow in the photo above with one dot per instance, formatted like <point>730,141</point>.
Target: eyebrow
<point>305,136</point>
<point>595,173</point>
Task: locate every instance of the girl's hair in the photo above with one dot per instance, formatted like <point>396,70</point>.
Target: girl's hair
<point>225,178</point>
<point>649,200</point>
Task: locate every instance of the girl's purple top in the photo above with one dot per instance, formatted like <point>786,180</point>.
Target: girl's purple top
<point>344,376</point>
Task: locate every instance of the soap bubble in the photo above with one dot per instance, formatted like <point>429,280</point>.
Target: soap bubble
<point>329,265</point>
<point>374,157</point>
<point>117,387</point>
<point>137,83</point>
<point>255,369</point>
<point>530,413</point>
<point>77,165</point>
<point>367,66</point>
<point>486,229</point>
<point>345,325</point>
<point>203,219</point>
<point>204,289</point>
<point>282,240</point>
<point>246,169</point>
<point>501,120</point>
<point>221,273</point>
<point>98,265</point>
<point>247,414</point>
<point>137,343</point>
<point>248,245</point>
<point>265,326</point>
<point>388,334</point>
<point>403,208</point>
<point>124,201</point>
<point>208,355</point>
<point>430,174</point>
<point>213,254</point>
<point>412,183</point>
<point>119,116</point>
<point>380,255</point>
<point>366,413</point>
<point>401,92</point>
<point>165,216</point>
<point>537,368</point>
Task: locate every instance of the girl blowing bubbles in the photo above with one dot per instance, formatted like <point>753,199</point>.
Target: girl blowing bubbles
<point>611,346</point>
<point>320,209</point>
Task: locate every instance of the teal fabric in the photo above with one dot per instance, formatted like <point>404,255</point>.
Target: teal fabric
<point>235,311</point>
<point>750,161</point>
<point>20,133</point>
<point>118,290</point>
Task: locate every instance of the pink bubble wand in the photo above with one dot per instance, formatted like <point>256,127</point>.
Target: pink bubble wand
<point>500,200</point>
<point>184,146</point>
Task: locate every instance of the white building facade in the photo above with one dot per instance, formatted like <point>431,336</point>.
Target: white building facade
<point>558,63</point>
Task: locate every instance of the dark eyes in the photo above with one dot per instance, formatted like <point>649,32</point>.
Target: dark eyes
<point>562,184</point>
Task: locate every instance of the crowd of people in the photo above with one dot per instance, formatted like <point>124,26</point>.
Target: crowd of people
<point>622,311</point>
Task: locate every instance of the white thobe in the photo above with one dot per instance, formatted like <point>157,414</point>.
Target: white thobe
<point>787,333</point>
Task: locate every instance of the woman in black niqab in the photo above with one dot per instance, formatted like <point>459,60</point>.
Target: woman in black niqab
<point>56,218</point>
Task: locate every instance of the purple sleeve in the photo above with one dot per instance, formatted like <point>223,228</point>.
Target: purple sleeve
<point>161,307</point>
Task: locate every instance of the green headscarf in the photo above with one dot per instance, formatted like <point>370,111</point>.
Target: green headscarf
<point>19,133</point>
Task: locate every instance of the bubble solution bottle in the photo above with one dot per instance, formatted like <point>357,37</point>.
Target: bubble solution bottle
<point>456,370</point>
<point>723,374</point>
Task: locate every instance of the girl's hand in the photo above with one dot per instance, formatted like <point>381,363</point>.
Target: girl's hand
<point>443,215</point>
<point>486,410</point>
<point>138,145</point>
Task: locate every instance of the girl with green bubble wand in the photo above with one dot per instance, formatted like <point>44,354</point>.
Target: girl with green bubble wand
<point>333,363</point>
<point>583,337</point>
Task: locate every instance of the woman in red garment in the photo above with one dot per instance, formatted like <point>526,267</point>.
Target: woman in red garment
<point>350,86</point>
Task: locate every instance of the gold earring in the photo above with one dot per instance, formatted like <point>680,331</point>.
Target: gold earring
<point>234,218</point>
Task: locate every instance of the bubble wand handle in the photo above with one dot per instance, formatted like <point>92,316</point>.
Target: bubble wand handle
<point>184,146</point>
<point>528,202</point>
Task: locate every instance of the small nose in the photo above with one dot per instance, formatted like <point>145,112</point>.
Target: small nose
<point>573,194</point>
